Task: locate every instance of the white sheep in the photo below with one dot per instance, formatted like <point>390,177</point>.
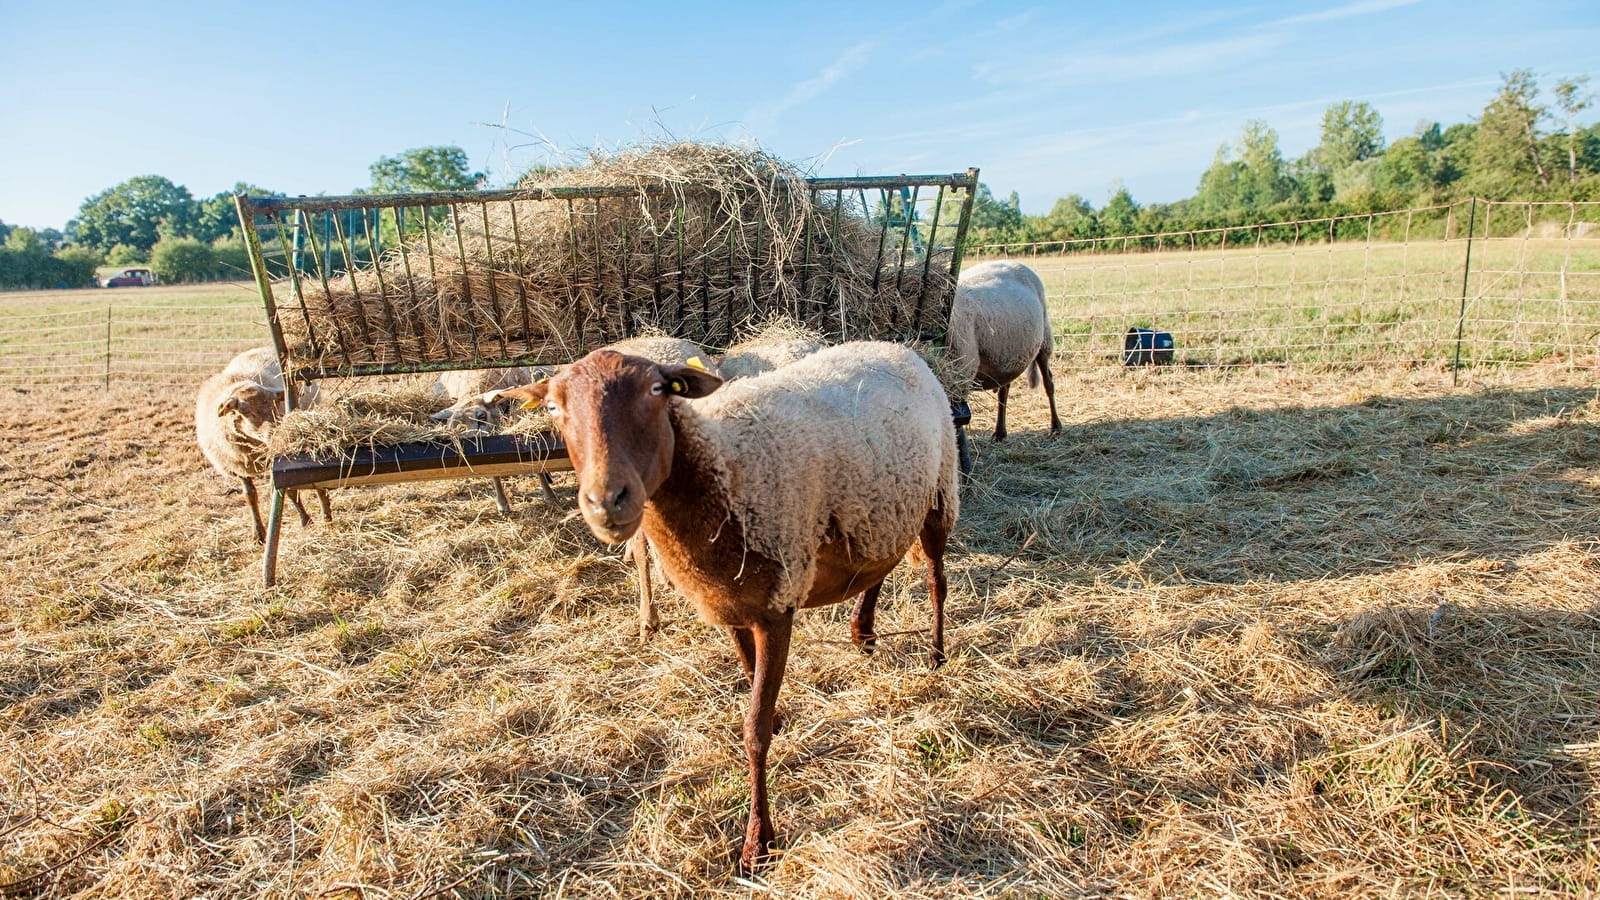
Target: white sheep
<point>763,496</point>
<point>473,394</point>
<point>1000,328</point>
<point>759,355</point>
<point>234,414</point>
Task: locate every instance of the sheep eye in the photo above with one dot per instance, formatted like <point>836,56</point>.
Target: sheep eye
<point>657,389</point>
<point>554,408</point>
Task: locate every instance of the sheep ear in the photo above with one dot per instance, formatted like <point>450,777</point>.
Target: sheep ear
<point>529,395</point>
<point>228,405</point>
<point>687,381</point>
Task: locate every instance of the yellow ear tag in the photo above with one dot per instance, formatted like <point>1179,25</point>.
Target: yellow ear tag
<point>677,385</point>
<point>695,363</point>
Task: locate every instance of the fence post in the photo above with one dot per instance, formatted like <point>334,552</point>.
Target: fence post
<point>108,347</point>
<point>1466,272</point>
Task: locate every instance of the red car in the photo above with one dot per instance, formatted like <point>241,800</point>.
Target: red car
<point>130,278</point>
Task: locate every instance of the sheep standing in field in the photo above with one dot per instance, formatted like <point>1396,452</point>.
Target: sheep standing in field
<point>234,414</point>
<point>799,488</point>
<point>999,329</point>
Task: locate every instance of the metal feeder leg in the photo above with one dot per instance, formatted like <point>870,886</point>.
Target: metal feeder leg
<point>269,561</point>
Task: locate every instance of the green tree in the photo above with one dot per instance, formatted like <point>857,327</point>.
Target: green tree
<point>1262,182</point>
<point>990,213</point>
<point>1406,168</point>
<point>1573,99</point>
<point>1120,215</point>
<point>424,169</point>
<point>1351,132</point>
<point>1070,217</point>
<point>1506,156</point>
<point>1218,192</point>
<point>216,217</point>
<point>133,212</point>
<point>180,260</point>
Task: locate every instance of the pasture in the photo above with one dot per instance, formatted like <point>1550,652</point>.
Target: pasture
<point>1271,632</point>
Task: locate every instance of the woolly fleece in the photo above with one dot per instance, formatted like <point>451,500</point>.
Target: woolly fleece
<point>855,441</point>
<point>998,323</point>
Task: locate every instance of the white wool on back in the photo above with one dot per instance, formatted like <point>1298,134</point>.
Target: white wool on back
<point>855,440</point>
<point>260,365</point>
<point>998,321</point>
<point>669,351</point>
<point>758,356</point>
<point>464,383</point>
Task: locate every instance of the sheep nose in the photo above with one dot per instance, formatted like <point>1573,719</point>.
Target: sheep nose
<point>606,502</point>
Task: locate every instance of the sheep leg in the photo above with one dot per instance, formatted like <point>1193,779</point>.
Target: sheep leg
<point>649,621</point>
<point>305,517</point>
<point>772,653</point>
<point>549,491</point>
<point>255,509</point>
<point>862,618</point>
<point>1000,417</point>
<point>327,508</point>
<point>500,498</point>
<point>746,647</point>
<point>934,538</point>
<point>1043,364</point>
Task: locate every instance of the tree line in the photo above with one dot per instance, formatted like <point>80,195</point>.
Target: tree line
<point>149,220</point>
<point>1526,145</point>
<point>1523,146</point>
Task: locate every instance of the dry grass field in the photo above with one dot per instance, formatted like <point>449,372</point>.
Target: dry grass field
<point>1265,632</point>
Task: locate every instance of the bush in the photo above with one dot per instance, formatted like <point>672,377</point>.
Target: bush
<point>76,266</point>
<point>182,260</point>
<point>126,255</point>
<point>232,258</point>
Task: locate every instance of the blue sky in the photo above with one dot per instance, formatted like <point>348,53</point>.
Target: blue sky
<point>1048,99</point>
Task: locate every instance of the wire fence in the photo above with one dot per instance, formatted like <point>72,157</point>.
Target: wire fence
<point>126,344</point>
<point>1473,283</point>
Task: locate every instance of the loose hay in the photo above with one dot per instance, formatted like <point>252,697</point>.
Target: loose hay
<point>1279,635</point>
<point>701,237</point>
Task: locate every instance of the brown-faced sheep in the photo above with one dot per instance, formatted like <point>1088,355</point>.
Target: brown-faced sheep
<point>1000,328</point>
<point>768,495</point>
<point>234,413</point>
<point>668,351</point>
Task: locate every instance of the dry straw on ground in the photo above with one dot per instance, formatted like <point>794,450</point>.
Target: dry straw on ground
<point>1268,633</point>
<point>704,237</point>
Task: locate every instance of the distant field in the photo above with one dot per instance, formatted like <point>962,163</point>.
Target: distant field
<point>1331,303</point>
<point>1318,304</point>
<point>150,335</point>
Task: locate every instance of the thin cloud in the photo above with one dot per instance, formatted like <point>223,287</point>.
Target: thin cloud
<point>1077,67</point>
<point>1349,10</point>
<point>764,116</point>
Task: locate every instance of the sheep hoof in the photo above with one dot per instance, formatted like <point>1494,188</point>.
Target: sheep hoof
<point>935,659</point>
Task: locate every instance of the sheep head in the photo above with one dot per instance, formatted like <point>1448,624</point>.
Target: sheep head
<point>612,413</point>
<point>254,407</point>
<point>479,412</point>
